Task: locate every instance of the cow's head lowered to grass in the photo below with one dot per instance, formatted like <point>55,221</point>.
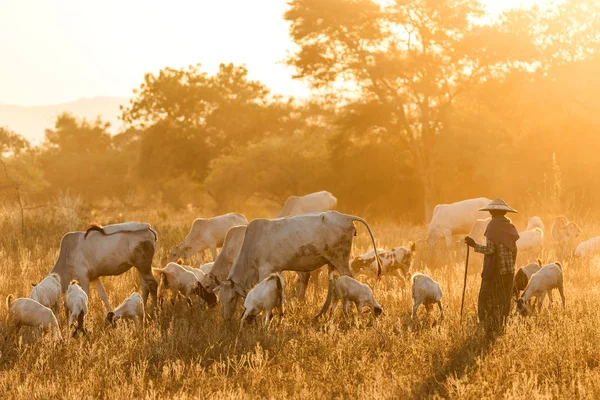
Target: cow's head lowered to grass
<point>228,293</point>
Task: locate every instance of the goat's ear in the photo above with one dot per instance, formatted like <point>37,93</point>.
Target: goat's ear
<point>539,262</point>
<point>412,246</point>
<point>110,316</point>
<point>33,284</point>
<point>217,289</point>
<point>179,261</point>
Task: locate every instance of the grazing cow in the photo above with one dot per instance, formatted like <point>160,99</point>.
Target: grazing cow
<point>107,251</point>
<point>588,248</point>
<point>348,289</point>
<point>531,240</point>
<point>547,278</point>
<point>300,243</point>
<point>535,222</point>
<point>395,262</point>
<point>76,307</point>
<point>522,277</point>
<point>48,292</point>
<point>311,203</point>
<point>206,233</point>
<point>28,312</point>
<point>265,296</point>
<point>453,219</point>
<point>478,230</point>
<point>426,291</point>
<point>231,247</point>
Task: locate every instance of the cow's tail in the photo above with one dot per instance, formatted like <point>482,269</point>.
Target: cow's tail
<point>355,218</point>
<point>280,290</point>
<point>9,300</point>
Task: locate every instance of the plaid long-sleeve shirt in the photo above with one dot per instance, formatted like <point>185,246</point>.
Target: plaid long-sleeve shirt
<point>506,257</point>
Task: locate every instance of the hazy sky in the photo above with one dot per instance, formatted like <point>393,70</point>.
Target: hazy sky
<point>56,51</point>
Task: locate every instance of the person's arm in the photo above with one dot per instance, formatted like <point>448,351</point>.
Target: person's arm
<point>489,248</point>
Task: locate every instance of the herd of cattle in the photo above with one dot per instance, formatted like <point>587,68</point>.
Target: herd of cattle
<point>304,237</point>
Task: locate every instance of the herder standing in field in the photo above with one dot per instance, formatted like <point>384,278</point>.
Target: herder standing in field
<point>499,261</point>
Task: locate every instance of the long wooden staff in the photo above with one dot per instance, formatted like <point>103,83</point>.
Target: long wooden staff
<point>462,303</point>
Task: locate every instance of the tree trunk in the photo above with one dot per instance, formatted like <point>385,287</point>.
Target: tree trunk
<point>427,171</point>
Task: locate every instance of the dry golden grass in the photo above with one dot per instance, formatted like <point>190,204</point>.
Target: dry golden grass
<point>187,352</point>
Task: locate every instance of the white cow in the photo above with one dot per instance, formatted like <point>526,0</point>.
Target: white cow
<point>453,219</point>
<point>300,243</point>
<point>231,248</point>
<point>478,230</point>
<point>535,222</point>
<point>588,248</point>
<point>108,251</point>
<point>310,203</point>
<point>206,233</point>
<point>531,240</point>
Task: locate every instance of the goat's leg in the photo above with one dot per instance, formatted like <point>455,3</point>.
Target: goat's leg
<point>562,295</point>
<point>416,305</point>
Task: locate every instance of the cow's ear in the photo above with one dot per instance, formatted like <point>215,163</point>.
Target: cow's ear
<point>239,291</point>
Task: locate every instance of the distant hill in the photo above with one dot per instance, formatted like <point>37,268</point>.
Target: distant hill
<point>32,121</point>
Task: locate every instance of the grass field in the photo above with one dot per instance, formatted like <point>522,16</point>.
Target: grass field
<point>190,353</point>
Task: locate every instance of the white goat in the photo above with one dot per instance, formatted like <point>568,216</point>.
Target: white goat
<point>588,248</point>
<point>265,296</point>
<point>131,308</point>
<point>206,279</point>
<point>348,289</point>
<point>28,312</point>
<point>522,277</point>
<point>76,304</point>
<point>548,278</point>
<point>180,280</point>
<point>426,291</point>
<point>48,292</point>
<point>395,262</point>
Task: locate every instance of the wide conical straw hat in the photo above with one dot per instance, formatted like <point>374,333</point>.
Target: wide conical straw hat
<point>499,205</point>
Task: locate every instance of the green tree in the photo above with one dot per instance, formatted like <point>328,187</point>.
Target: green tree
<point>411,59</point>
<point>187,118</point>
<point>79,157</point>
